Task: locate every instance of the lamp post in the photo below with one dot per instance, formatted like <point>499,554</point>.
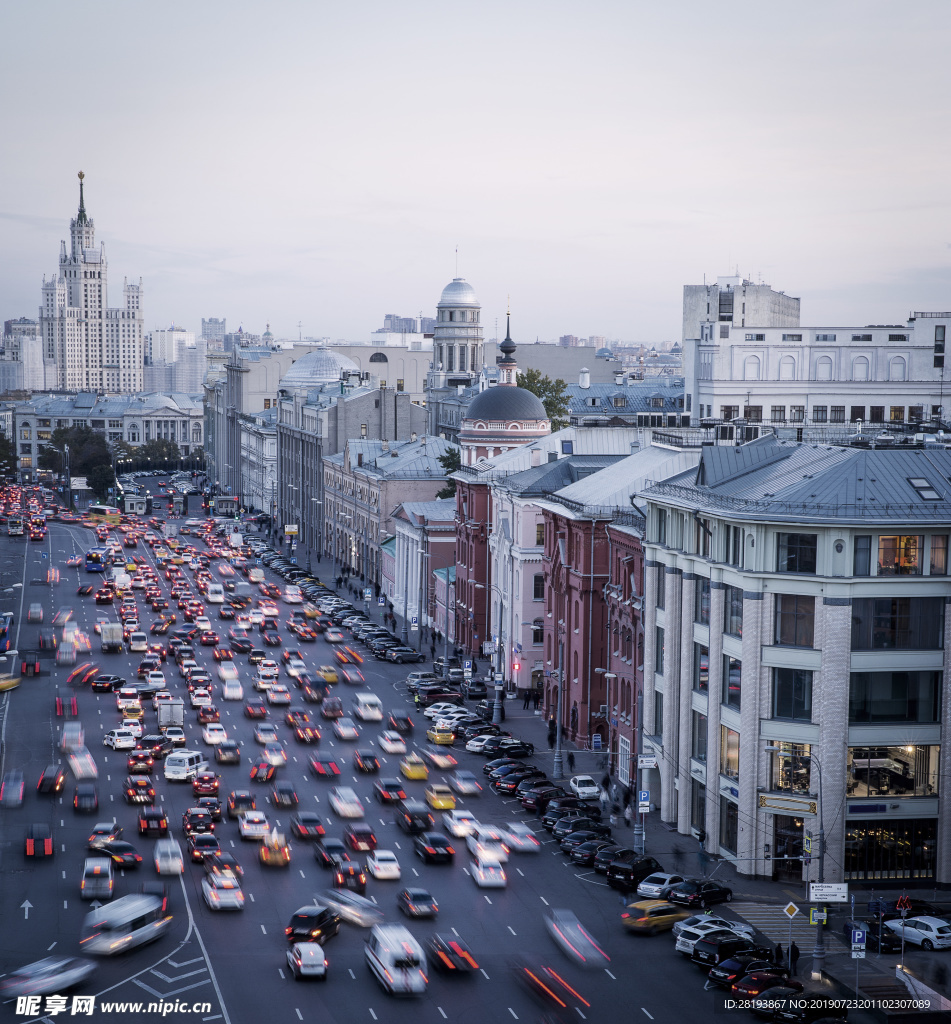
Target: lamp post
<point>320,517</point>
<point>819,952</point>
<point>497,706</point>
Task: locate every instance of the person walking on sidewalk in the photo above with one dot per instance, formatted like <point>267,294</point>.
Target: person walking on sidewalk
<point>537,698</point>
<point>525,701</point>
<point>794,958</point>
<point>778,954</point>
<point>627,814</point>
<point>571,761</point>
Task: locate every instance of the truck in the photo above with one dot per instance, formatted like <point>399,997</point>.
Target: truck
<point>171,712</point>
<point>111,637</point>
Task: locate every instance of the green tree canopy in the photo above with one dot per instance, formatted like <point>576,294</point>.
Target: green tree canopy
<point>553,393</point>
<point>100,480</point>
<point>158,449</point>
<point>450,462</point>
<point>8,456</point>
<point>87,449</point>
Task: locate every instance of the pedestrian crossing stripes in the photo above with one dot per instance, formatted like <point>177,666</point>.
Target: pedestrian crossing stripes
<point>770,920</point>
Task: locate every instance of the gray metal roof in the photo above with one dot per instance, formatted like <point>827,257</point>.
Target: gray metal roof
<point>403,460</point>
<point>440,510</point>
<point>599,399</point>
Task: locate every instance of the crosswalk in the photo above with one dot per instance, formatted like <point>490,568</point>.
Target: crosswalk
<point>770,920</point>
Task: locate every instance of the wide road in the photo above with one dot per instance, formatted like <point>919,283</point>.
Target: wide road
<point>233,964</point>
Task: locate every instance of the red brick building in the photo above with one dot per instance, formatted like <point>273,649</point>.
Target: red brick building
<point>473,526</point>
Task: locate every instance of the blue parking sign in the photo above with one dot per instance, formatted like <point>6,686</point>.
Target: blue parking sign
<point>858,936</point>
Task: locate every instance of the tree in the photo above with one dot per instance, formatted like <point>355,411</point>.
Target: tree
<point>8,456</point>
<point>87,449</point>
<point>450,461</point>
<point>159,449</point>
<point>553,393</point>
<point>101,479</point>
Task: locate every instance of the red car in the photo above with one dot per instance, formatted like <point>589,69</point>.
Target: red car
<point>223,654</point>
<point>360,837</point>
<point>208,713</point>
<point>209,639</point>
<point>206,784</point>
<point>255,709</point>
<point>261,771</point>
<point>324,767</point>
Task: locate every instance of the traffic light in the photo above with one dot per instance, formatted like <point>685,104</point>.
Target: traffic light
<point>515,666</point>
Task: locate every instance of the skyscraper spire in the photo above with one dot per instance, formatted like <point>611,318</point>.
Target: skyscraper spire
<point>81,219</point>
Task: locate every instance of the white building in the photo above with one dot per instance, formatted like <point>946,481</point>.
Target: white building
<point>87,345</point>
<point>168,345</point>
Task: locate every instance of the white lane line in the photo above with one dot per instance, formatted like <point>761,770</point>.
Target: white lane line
<point>251,896</point>
<point>513,1013</point>
<point>350,972</point>
<point>280,972</point>
<point>487,900</point>
<point>609,974</point>
<point>300,1016</point>
<point>301,873</point>
<point>48,948</point>
<point>542,898</point>
<point>522,873</point>
<point>645,1011</point>
<point>443,1012</point>
<point>511,929</point>
<point>580,1014</point>
<point>372,1014</point>
<point>454,932</point>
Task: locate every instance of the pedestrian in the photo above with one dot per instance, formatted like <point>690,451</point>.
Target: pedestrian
<point>606,782</point>
<point>778,954</point>
<point>537,697</point>
<point>571,761</point>
<point>627,814</point>
<point>525,701</point>
<point>432,650</point>
<point>794,958</point>
<point>627,797</point>
<point>615,811</point>
<point>551,741</point>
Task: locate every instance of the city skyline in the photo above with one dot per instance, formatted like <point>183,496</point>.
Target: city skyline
<point>589,163</point>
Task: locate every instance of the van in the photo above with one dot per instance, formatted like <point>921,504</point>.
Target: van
<point>215,593</point>
<point>131,921</point>
<point>98,880</point>
<point>72,738</point>
<point>138,642</point>
<point>396,959</point>
<point>184,765</point>
<point>367,707</point>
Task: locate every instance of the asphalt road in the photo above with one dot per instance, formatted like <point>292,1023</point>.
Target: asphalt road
<point>234,962</point>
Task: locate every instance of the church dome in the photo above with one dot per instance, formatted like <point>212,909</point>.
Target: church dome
<point>506,403</point>
<point>458,293</point>
<point>319,366</point>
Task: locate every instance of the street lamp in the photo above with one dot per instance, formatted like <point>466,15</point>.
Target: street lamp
<point>320,518</point>
<point>497,705</point>
<point>819,952</point>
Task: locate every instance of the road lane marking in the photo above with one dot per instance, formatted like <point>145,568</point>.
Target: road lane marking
<point>522,873</point>
<point>300,1016</point>
<point>542,898</point>
<point>487,900</point>
<point>645,1011</point>
<point>443,1012</point>
<point>609,974</point>
<point>48,948</point>
<point>251,896</point>
<point>372,1014</point>
<point>511,929</point>
<point>350,972</point>
<point>513,1013</point>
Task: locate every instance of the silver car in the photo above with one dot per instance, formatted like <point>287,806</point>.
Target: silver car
<point>52,974</point>
<point>657,885</point>
<point>356,909</point>
<point>307,960</point>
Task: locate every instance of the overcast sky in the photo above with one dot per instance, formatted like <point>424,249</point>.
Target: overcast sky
<point>315,162</point>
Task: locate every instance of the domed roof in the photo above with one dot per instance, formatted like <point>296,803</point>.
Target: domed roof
<point>458,293</point>
<point>319,366</point>
<point>506,403</point>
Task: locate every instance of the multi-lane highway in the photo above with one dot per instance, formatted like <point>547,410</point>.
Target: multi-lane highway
<point>232,964</point>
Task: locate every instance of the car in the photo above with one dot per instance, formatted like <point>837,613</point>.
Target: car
<point>275,851</point>
<point>414,767</point>
<point>38,841</point>
<point>487,872</point>
<point>477,744</point>
<point>360,837</point>
<point>520,838</point>
<point>266,733</point>
<point>574,939</point>
<point>392,742</point>
<point>383,864</point>
<point>349,875</point>
<point>307,960</point>
<point>351,906</point>
<point>307,825</point>
<point>138,789</point>
<point>699,892</point>
<point>176,735</point>
<point>712,921</point>
<point>206,784</point>
<point>764,980</point>
<point>927,932</point>
<point>253,825</point>
<point>440,735</point>
<point>459,823</point>
<point>222,892</point>
<point>278,694</point>
<point>85,798</point>
<point>255,709</point>
<point>284,794</point>
<point>228,752</point>
<point>314,923</point>
<point>331,707</point>
<point>346,729</point>
<point>214,733</point>
<point>586,852</point>
<point>119,739</point>
<point>168,857</point>
<point>417,903</point>
<point>440,797</point>
<point>464,783</point>
<point>488,839</point>
<point>657,885</point>
<point>366,761</point>
<point>122,854</point>
<point>197,819</point>
<point>688,937</point>
<point>345,802</point>
<point>274,754</point>
<point>324,767</point>
<point>49,975</point>
<point>585,787</point>
<point>329,850</point>
<point>400,654</point>
<point>389,791</point>
<point>651,916</point>
<point>433,848</point>
<point>332,636</point>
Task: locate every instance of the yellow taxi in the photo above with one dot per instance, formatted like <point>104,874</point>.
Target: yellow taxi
<point>133,711</point>
<point>9,682</point>
<point>414,767</point>
<point>311,611</point>
<point>441,735</point>
<point>328,673</point>
<point>440,798</point>
<point>652,916</point>
<point>131,568</point>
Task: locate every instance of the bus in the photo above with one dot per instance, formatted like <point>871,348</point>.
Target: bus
<point>128,922</point>
<point>104,514</point>
<point>15,526</point>
<point>97,560</point>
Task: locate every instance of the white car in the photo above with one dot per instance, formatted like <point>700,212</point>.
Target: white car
<point>383,864</point>
<point>256,616</point>
<point>253,825</point>
<point>176,735</point>
<point>475,745</point>
<point>119,739</point>
<point>488,840</point>
<point>295,667</point>
<point>268,669</point>
<point>157,679</point>
<point>263,683</point>
<point>345,802</point>
<point>520,838</point>
<point>168,857</point>
<point>740,927</point>
<point>200,698</point>
<point>214,733</point>
<point>274,753</point>
<point>487,872</point>
<point>222,892</point>
<point>584,787</point>
<point>689,937</point>
<point>927,932</point>
<point>278,695</point>
<point>346,729</point>
<point>307,960</point>
<point>232,690</point>
<point>132,725</point>
<point>465,783</point>
<point>266,733</point>
<point>392,742</point>
<point>227,670</point>
<point>655,886</point>
<point>459,823</point>
<point>435,710</point>
<point>203,623</point>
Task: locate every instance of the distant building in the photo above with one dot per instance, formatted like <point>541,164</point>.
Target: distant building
<point>214,330</point>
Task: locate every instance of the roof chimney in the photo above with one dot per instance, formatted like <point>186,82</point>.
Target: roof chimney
<point>536,457</point>
<point>584,378</point>
<point>619,377</point>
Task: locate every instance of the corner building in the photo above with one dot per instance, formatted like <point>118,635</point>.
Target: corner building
<point>796,657</point>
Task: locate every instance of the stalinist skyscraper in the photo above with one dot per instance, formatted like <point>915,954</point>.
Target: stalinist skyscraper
<point>86,345</point>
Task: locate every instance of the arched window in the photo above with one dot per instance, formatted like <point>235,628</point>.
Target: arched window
<point>787,368</point>
<point>379,357</point>
<point>896,368</point>
<point>860,368</point>
<point>824,368</point>
<point>751,367</point>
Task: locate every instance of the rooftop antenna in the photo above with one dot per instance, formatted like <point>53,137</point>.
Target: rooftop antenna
<point>457,260</point>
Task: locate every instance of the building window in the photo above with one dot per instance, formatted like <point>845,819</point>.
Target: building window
<point>837,414</point>
<point>856,413</point>
<point>399,383</point>
<point>267,403</point>
<point>753,413</point>
<point>939,338</point>
<point>658,713</point>
<point>791,768</point>
<point>538,632</point>
<point>729,824</point>
<point>796,552</point>
<point>734,546</point>
<point>777,413</point>
<point>795,620</point>
<point>825,337</point>
<point>538,587</point>
<point>733,611</point>
<point>939,554</point>
<point>729,412</point>
<point>659,650</point>
<point>820,414</point>
<point>539,534</point>
<point>724,331</point>
<point>698,805</point>
<point>916,413</point>
<point>900,555</point>
<point>661,587</point>
<point>896,413</point>
<point>862,556</point>
<point>363,429</point>
<point>797,413</point>
<point>881,697</point>
<point>907,770</point>
<point>732,682</point>
<point>898,623</point>
<point>729,752</point>
<point>661,526</point>
<point>701,668</point>
<point>792,337</point>
<point>792,694</point>
<point>698,736</point>
<point>702,603</point>
<point>877,414</point>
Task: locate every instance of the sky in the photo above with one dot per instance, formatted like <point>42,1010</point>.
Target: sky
<point>301,162</point>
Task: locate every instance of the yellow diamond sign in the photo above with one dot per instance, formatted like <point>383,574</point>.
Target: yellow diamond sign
<point>790,910</point>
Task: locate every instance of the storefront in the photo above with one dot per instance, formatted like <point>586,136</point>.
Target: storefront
<point>902,849</point>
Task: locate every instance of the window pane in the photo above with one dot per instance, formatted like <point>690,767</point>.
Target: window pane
<point>899,555</point>
<point>733,611</point>
<point>538,587</point>
<point>862,556</point>
<point>898,623</point>
<point>661,587</point>
<point>790,769</point>
<point>795,620</point>
<point>792,694</point>
<point>698,743</point>
<point>732,673</point>
<point>729,821</point>
<point>659,650</point>
<point>702,609</point>
<point>729,752</point>
<point>895,697</point>
<point>796,552</point>
<point>939,555</point>
<point>698,804</point>
<point>894,771</point>
<point>701,668</point>
<point>658,713</point>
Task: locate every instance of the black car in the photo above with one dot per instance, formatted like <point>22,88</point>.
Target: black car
<point>491,766</point>
<point>389,791</point>
<point>39,841</point>
<point>697,892</point>
<point>508,746</point>
<point>284,795</point>
<point>307,825</point>
<point>539,796</point>
<point>449,953</point>
<point>733,968</point>
<point>629,869</point>
<point>416,903</point>
<point>575,839</point>
<point>52,780</point>
<point>107,683</point>
<point>716,949</point>
<point>228,752</point>
<point>366,761</point>
<point>433,848</point>
<point>328,850</point>
<point>349,875</point>
<point>400,721</point>
<point>212,805</point>
<point>241,644</point>
<point>122,853</point>
<point>314,923</point>
<point>584,853</point>
<point>153,822</point>
<point>85,798</point>
<point>156,744</point>
<point>604,857</point>
<point>510,783</point>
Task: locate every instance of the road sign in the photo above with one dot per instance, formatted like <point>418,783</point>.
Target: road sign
<point>367,594</point>
<point>499,677</point>
<point>790,910</point>
<point>807,844</point>
<point>858,936</point>
<point>643,801</point>
<point>817,916</point>
<point>260,561</point>
<point>646,761</point>
<point>294,560</point>
<point>381,600</point>
<point>904,903</point>
<point>414,622</point>
<point>467,665</point>
<point>858,954</point>
<point>828,892</point>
